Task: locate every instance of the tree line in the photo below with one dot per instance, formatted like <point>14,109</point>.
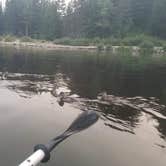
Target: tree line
<point>50,19</point>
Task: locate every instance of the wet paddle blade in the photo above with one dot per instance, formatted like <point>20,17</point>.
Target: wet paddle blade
<point>83,121</point>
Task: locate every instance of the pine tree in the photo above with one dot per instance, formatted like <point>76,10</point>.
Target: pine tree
<point>158,20</point>
<point>1,20</point>
<point>141,14</point>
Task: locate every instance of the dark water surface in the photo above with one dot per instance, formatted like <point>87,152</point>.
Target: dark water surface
<point>30,114</point>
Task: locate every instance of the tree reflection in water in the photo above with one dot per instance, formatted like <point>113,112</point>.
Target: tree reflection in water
<point>84,75</point>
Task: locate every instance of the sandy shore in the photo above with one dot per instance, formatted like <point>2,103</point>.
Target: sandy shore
<point>47,45</point>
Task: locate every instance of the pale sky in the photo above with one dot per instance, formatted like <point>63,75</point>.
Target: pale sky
<point>3,2</point>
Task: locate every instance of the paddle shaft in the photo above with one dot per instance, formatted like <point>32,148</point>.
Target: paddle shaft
<point>34,159</point>
<point>42,152</point>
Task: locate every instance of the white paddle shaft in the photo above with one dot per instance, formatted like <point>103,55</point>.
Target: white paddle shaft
<point>34,159</point>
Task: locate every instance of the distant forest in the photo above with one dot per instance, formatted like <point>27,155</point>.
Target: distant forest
<point>51,19</point>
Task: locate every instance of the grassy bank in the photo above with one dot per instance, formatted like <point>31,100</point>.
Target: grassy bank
<point>11,38</point>
<point>135,40</point>
<point>141,41</point>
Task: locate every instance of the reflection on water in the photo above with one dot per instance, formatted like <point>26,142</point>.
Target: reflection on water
<point>76,79</point>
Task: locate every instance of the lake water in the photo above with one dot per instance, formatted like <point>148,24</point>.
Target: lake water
<point>30,114</point>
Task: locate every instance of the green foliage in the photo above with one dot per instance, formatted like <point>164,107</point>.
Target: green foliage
<point>110,22</point>
<point>43,41</point>
<point>26,39</point>
<point>113,41</point>
<point>158,17</point>
<point>9,38</point>
<point>118,18</point>
<point>64,41</point>
<point>133,40</point>
<point>33,18</point>
<point>83,42</point>
<point>164,47</point>
<point>138,40</point>
<point>1,20</point>
<point>96,40</point>
<point>1,38</point>
<point>147,44</point>
<point>100,47</point>
<point>73,42</point>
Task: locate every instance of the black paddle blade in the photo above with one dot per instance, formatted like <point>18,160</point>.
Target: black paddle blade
<point>83,121</point>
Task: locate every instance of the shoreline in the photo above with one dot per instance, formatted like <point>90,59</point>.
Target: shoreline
<point>51,46</point>
<point>48,46</point>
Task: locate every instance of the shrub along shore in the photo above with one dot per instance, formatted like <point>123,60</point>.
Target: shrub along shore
<point>107,44</point>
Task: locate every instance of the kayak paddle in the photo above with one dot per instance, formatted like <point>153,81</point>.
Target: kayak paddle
<point>42,152</point>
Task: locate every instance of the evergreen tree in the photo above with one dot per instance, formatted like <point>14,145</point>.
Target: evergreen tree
<point>121,17</point>
<point>141,14</point>
<point>51,22</point>
<point>83,18</point>
<point>158,20</point>
<point>1,20</point>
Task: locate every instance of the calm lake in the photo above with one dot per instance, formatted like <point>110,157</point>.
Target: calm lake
<point>30,114</point>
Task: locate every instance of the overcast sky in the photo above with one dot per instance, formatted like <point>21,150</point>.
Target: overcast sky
<point>3,2</point>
